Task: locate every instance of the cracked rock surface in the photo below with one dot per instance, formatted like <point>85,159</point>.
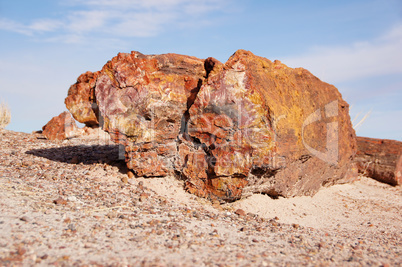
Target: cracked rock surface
<point>249,125</point>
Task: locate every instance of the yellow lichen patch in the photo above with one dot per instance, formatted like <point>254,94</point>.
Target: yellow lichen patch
<point>110,73</point>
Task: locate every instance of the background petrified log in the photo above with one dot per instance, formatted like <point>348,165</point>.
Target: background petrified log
<point>380,159</point>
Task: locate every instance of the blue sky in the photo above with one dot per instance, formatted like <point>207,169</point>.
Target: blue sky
<point>355,45</point>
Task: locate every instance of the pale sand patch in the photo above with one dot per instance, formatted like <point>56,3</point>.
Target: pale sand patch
<point>364,203</point>
<point>172,188</point>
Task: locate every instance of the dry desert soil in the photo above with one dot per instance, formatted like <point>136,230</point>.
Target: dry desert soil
<point>71,203</point>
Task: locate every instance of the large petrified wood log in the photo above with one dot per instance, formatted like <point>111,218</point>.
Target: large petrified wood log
<point>380,159</point>
<point>249,125</point>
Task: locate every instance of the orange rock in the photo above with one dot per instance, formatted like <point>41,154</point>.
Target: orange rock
<point>81,99</point>
<point>281,130</point>
<point>249,125</point>
<point>60,127</point>
<point>142,100</point>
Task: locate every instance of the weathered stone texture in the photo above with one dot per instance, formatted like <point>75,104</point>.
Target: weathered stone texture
<point>142,100</point>
<point>249,125</point>
<point>81,100</point>
<point>60,127</point>
<point>280,129</point>
<point>380,159</point>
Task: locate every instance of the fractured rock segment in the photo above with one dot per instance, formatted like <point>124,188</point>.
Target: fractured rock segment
<point>81,100</point>
<point>142,100</point>
<point>60,127</point>
<point>231,121</point>
<point>281,131</point>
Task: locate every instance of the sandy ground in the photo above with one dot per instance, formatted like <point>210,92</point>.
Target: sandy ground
<point>71,203</point>
<point>354,206</point>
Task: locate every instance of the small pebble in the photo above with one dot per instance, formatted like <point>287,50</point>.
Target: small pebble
<point>143,197</point>
<point>240,256</point>
<point>71,198</point>
<point>60,201</point>
<point>21,251</point>
<point>71,227</point>
<point>130,174</point>
<point>240,212</point>
<point>24,218</point>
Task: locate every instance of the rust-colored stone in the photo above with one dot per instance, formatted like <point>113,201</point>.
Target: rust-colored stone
<point>142,100</point>
<point>249,125</point>
<point>380,159</point>
<point>60,127</point>
<point>279,130</point>
<point>81,99</point>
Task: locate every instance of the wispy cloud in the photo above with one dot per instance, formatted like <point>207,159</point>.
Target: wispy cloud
<point>13,26</point>
<point>369,58</point>
<point>113,19</point>
<point>45,25</point>
<point>87,21</point>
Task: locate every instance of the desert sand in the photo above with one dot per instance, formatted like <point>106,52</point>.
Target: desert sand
<point>71,203</point>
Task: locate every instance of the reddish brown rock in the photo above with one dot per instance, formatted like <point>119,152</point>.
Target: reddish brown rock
<point>249,125</point>
<point>380,159</point>
<point>143,100</point>
<point>60,127</point>
<point>265,127</point>
<point>81,100</point>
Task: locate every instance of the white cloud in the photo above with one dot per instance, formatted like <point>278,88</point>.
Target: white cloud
<point>37,26</point>
<point>13,26</point>
<point>113,19</point>
<point>141,4</point>
<point>358,60</point>
<point>141,25</point>
<point>45,25</point>
<point>87,21</point>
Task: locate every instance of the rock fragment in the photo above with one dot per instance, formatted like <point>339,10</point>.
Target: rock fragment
<point>60,127</point>
<point>81,100</point>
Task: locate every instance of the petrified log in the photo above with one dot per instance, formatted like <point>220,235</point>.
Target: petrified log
<point>60,127</point>
<point>380,159</point>
<point>249,125</point>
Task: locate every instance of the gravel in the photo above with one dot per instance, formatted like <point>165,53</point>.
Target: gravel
<point>73,203</point>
